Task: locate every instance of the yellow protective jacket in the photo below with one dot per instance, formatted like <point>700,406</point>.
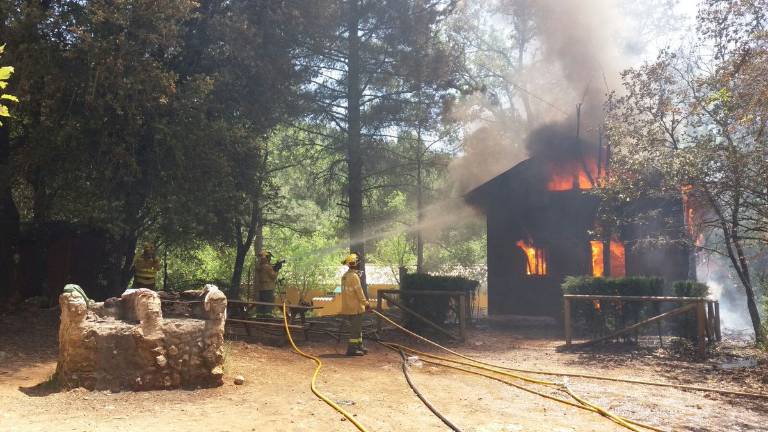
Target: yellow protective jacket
<point>265,277</point>
<point>145,270</point>
<point>353,300</point>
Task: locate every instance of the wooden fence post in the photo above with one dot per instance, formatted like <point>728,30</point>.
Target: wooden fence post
<point>463,316</point>
<point>718,335</point>
<point>567,319</point>
<point>701,328</point>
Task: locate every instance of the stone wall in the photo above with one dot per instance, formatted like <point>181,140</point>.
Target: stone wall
<point>127,344</point>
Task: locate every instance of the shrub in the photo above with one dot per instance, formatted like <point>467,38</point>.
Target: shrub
<point>434,308</point>
<point>690,288</point>
<point>602,317</point>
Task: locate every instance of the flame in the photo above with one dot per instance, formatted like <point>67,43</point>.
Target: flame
<point>537,263</point>
<point>618,260</point>
<point>597,258</point>
<point>690,215</point>
<point>571,175</point>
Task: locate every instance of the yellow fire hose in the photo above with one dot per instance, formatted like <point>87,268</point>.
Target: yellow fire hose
<point>582,403</point>
<point>577,375</point>
<point>319,364</point>
<point>491,368</point>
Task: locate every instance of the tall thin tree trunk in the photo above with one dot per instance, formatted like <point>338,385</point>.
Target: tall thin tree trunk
<point>735,251</point>
<point>419,206</point>
<point>354,144</point>
<point>237,272</point>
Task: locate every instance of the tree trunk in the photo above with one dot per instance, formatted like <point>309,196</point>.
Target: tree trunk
<point>237,273</point>
<point>354,144</point>
<point>738,258</point>
<point>9,217</point>
<point>419,207</point>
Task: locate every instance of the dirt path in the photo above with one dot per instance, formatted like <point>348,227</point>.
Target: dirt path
<point>276,394</point>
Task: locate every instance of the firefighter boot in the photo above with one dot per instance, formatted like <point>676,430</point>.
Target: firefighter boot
<point>355,350</point>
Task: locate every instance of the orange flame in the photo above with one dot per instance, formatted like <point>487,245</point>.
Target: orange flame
<point>618,259</point>
<point>690,215</point>
<point>537,262</point>
<point>571,175</point>
<point>597,258</point>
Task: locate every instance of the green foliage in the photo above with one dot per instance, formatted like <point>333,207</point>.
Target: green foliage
<point>193,266</point>
<point>434,308</point>
<point>5,74</point>
<point>597,318</point>
<point>690,288</point>
<point>312,258</point>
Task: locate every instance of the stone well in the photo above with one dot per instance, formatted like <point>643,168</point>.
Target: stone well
<point>126,344</point>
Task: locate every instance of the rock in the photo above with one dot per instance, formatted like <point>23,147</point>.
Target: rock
<point>173,351</point>
<point>161,360</point>
<point>239,380</point>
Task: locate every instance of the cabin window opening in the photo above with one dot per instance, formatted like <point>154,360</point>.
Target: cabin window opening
<point>536,259</point>
<point>616,258</point>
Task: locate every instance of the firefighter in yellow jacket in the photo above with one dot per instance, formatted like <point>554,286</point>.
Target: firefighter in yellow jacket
<point>145,267</point>
<point>353,305</point>
<point>265,281</point>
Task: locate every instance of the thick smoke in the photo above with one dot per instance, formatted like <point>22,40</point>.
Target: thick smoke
<point>579,64</point>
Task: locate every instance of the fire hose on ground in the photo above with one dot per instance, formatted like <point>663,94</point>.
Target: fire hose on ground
<point>319,364</point>
<point>582,403</point>
<point>488,369</point>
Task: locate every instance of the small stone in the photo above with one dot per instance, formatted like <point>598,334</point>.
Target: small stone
<point>161,360</point>
<point>239,380</point>
<point>172,351</point>
<point>218,371</point>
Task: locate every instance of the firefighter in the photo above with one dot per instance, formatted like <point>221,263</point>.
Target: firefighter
<point>145,267</point>
<point>265,278</point>
<point>353,305</point>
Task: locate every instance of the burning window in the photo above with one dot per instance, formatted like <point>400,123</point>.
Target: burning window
<point>598,270</point>
<point>575,174</point>
<point>616,258</point>
<point>536,263</point>
<point>618,265</point>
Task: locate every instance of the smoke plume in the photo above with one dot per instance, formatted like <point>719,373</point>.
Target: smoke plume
<point>578,63</point>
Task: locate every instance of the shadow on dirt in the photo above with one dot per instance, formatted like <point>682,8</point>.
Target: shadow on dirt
<point>45,388</point>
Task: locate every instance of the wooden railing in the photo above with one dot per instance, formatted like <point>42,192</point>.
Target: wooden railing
<point>707,316</point>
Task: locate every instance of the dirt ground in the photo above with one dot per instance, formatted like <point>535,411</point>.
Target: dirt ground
<point>276,395</point>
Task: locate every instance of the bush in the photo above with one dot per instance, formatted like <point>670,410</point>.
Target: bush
<point>434,308</point>
<point>598,318</point>
<point>690,288</point>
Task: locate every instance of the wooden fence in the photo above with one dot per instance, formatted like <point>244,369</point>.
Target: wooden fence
<point>707,316</point>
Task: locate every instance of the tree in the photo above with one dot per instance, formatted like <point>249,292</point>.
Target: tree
<point>687,123</point>
<point>153,125</point>
<point>360,82</point>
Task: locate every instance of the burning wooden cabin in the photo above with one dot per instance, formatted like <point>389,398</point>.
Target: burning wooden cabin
<point>541,223</point>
